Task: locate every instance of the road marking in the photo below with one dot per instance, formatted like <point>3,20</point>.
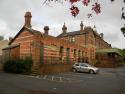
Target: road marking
<point>77,75</point>
<point>52,78</point>
<point>45,76</point>
<point>60,79</point>
<point>54,88</point>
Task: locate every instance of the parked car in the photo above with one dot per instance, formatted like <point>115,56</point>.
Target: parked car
<point>85,67</point>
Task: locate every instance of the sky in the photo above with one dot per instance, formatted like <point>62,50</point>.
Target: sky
<point>54,15</point>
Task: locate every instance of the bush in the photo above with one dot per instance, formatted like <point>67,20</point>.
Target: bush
<point>98,62</point>
<point>18,66</point>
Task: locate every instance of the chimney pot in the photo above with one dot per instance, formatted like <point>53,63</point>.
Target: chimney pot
<point>46,30</point>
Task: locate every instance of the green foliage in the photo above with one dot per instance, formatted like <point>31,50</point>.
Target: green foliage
<point>18,66</point>
<point>98,62</point>
<point>122,51</point>
<point>123,30</point>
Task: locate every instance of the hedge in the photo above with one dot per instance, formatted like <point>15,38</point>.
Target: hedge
<point>18,66</point>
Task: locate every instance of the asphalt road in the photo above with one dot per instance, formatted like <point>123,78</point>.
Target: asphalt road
<point>108,81</point>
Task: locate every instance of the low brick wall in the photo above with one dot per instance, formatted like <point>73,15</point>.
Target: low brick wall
<point>108,65</point>
<point>54,68</point>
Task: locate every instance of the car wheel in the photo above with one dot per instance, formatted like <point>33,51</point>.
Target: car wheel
<point>74,70</point>
<point>91,72</point>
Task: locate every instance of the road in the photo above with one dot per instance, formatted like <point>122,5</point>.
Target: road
<point>108,81</point>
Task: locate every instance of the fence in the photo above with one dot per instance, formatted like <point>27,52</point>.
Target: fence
<point>0,58</point>
<point>1,63</point>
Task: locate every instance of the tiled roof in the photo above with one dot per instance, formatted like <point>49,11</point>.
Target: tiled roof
<point>11,46</point>
<point>33,31</point>
<point>71,33</point>
<point>85,31</point>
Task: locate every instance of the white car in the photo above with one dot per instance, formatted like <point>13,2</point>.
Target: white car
<point>85,67</point>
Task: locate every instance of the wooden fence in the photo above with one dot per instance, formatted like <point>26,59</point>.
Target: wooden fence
<point>1,63</point>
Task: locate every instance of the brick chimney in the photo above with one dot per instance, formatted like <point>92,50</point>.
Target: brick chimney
<point>28,17</point>
<point>46,30</point>
<point>64,28</point>
<point>81,25</point>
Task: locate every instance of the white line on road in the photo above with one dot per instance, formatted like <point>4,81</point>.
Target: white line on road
<point>77,75</point>
<point>45,77</point>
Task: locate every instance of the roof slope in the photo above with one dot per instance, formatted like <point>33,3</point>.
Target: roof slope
<point>71,34</point>
<point>11,46</point>
<point>32,31</point>
<point>79,32</point>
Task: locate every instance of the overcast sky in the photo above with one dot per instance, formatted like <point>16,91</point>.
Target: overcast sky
<point>54,15</point>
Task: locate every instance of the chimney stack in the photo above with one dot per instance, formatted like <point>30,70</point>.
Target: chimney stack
<point>28,17</point>
<point>64,28</point>
<point>46,30</point>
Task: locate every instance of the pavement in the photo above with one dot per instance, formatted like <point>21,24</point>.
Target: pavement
<point>108,81</point>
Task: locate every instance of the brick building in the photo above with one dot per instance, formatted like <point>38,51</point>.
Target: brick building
<point>43,48</point>
<point>86,37</point>
<point>64,49</point>
<point>110,57</point>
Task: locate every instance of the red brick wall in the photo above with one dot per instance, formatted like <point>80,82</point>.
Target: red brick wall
<point>31,45</point>
<point>54,68</point>
<point>15,53</point>
<point>24,39</point>
<point>89,44</point>
<point>54,44</point>
<point>101,44</point>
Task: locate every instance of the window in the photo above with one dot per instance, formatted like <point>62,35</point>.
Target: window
<point>77,64</point>
<point>72,39</point>
<point>84,65</point>
<point>67,55</point>
<point>74,53</point>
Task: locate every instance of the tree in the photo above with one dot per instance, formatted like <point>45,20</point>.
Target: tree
<point>96,7</point>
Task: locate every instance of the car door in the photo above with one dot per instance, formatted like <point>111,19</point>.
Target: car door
<point>84,68</point>
<point>77,67</point>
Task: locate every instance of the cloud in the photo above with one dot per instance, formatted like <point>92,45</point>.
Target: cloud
<point>108,22</point>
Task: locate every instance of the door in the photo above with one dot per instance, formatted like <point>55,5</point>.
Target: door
<point>84,68</point>
<point>41,54</point>
<point>67,55</point>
